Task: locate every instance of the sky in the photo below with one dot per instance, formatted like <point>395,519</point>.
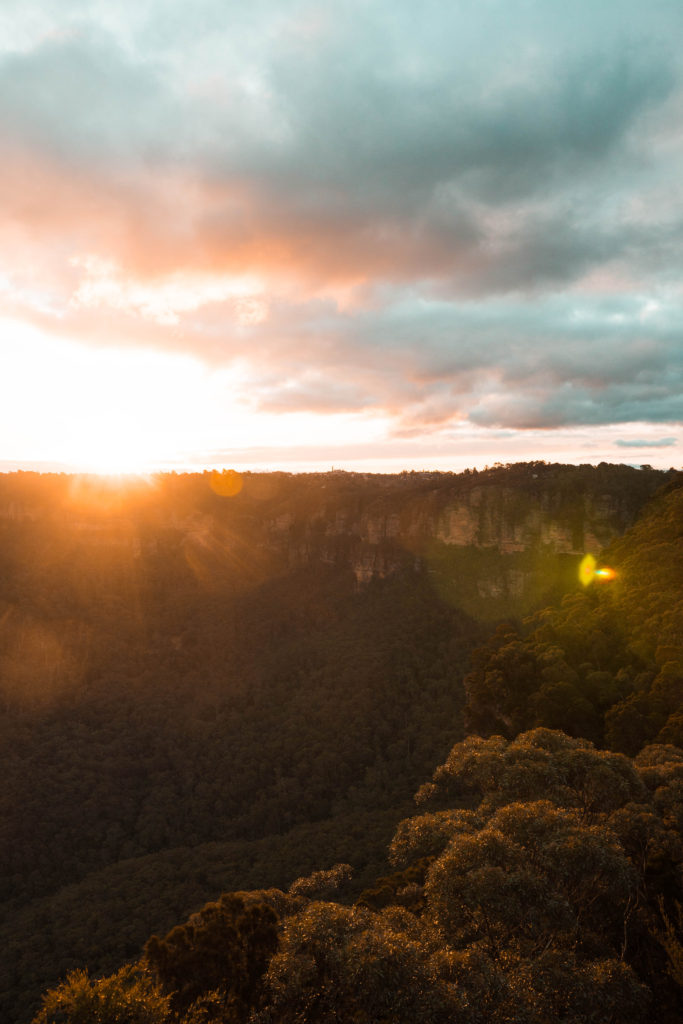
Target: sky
<point>371,234</point>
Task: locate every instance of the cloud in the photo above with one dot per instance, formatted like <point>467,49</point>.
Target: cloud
<point>349,150</point>
<point>443,215</point>
<point>662,442</point>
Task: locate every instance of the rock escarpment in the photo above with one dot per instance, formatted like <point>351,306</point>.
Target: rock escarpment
<point>495,542</point>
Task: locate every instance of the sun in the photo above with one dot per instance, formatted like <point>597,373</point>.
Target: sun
<point>109,411</point>
<point>112,437</point>
<point>119,455</point>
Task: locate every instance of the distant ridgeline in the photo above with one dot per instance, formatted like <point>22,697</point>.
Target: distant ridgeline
<point>494,543</point>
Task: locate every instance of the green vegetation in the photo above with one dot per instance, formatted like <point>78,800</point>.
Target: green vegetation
<point>199,697</point>
<point>548,898</point>
<point>607,662</point>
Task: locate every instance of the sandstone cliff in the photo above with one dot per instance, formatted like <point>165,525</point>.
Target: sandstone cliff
<point>497,542</point>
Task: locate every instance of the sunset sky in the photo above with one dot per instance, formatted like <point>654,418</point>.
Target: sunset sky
<point>372,235</point>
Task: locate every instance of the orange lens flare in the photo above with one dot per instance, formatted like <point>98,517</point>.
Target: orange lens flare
<point>588,572</point>
<point>226,484</point>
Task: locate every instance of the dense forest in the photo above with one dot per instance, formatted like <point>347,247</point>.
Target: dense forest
<point>234,685</point>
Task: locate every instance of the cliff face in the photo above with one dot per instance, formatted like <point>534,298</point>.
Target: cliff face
<point>493,517</point>
<point>495,542</point>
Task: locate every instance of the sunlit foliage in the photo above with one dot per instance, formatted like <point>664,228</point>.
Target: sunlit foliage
<point>128,997</point>
<point>225,948</point>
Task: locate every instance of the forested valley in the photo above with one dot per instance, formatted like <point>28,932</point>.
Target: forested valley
<point>342,748</point>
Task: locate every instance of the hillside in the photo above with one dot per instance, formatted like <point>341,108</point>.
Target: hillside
<point>207,688</point>
<point>607,662</point>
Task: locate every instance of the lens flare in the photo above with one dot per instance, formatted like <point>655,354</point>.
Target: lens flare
<point>587,570</point>
<point>226,484</point>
